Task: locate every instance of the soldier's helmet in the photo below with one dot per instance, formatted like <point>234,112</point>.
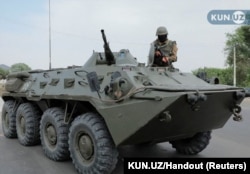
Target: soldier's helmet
<point>161,31</point>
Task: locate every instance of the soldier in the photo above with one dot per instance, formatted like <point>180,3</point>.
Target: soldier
<point>162,51</point>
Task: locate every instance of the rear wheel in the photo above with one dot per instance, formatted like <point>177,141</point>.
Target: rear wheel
<point>9,119</point>
<point>193,145</point>
<point>27,124</point>
<point>54,134</point>
<point>91,147</point>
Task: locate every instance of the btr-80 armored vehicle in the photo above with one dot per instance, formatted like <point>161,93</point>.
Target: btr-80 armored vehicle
<point>87,112</point>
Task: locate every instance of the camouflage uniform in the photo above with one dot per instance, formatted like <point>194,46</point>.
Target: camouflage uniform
<point>167,49</point>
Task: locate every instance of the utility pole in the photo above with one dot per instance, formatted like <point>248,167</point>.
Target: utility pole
<point>234,65</point>
<point>49,38</point>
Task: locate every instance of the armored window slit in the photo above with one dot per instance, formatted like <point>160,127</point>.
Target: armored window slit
<point>69,82</point>
<point>54,82</point>
<point>43,84</point>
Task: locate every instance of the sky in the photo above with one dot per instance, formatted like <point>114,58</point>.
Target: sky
<point>128,24</point>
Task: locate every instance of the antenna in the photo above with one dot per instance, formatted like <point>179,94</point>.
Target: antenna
<point>49,38</point>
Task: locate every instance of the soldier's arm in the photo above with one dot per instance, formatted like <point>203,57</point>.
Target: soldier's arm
<point>173,57</point>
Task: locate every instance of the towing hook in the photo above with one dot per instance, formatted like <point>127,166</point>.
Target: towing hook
<point>193,100</point>
<point>240,95</point>
<point>236,111</point>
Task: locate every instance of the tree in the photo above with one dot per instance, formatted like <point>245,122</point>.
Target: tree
<point>240,39</point>
<point>224,75</point>
<point>19,67</point>
<point>3,73</point>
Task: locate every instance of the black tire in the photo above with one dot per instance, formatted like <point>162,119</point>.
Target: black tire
<point>97,152</point>
<point>193,145</point>
<point>9,119</point>
<point>27,124</point>
<point>54,134</point>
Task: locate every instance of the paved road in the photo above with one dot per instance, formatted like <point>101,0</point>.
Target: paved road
<point>230,141</point>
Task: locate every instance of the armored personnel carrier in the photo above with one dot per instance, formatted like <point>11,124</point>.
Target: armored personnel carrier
<point>87,112</point>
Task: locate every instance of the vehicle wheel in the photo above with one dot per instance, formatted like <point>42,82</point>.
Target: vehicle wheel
<point>54,134</point>
<point>91,147</point>
<point>193,145</point>
<point>27,124</point>
<point>9,119</point>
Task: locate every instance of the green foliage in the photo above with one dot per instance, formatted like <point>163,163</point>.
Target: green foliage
<point>3,73</point>
<point>225,75</point>
<point>240,39</point>
<point>19,67</point>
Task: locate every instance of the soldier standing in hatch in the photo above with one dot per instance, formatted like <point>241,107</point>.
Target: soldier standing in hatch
<point>162,51</point>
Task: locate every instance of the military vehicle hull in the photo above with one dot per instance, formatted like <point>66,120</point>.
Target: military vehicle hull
<point>177,120</point>
<point>157,107</point>
<point>164,109</point>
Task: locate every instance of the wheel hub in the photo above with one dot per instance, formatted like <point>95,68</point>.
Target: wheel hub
<point>86,147</point>
<point>51,134</point>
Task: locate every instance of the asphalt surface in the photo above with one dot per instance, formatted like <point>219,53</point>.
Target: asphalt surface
<point>230,141</point>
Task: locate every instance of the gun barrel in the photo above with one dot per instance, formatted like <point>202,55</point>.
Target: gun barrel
<point>108,53</point>
<point>104,37</point>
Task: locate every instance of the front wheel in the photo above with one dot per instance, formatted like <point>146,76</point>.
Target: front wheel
<point>9,119</point>
<point>193,145</point>
<point>54,134</point>
<point>27,124</point>
<point>91,147</point>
